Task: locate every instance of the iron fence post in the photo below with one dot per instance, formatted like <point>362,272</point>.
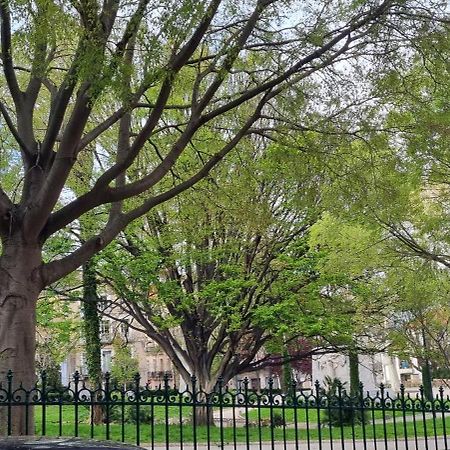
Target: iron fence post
<point>220,384</point>
<point>107,404</point>
<point>442,406</point>
<point>166,407</point>
<point>363,414</point>
<point>318,404</point>
<point>44,398</point>
<point>137,393</point>
<point>9,378</point>
<point>194,410</point>
<point>76,380</point>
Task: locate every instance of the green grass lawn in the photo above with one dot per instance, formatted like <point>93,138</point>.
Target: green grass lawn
<point>311,414</point>
<point>185,433</point>
<point>67,413</point>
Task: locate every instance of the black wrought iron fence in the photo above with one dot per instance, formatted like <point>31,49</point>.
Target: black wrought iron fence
<point>163,417</point>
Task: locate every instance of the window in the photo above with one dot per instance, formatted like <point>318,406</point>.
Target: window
<point>102,303</point>
<point>404,364</point>
<point>106,360</point>
<point>83,364</point>
<point>104,328</point>
<point>150,346</point>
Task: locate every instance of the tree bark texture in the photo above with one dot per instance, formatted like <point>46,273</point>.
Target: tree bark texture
<point>19,290</point>
<point>204,416</point>
<point>203,386</point>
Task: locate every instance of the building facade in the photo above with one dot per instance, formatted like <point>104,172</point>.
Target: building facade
<point>374,370</point>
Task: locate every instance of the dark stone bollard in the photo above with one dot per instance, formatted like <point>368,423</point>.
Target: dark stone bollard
<point>47,443</point>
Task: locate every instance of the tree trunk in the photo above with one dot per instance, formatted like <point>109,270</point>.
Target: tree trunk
<point>91,329</point>
<point>354,372</point>
<point>427,377</point>
<point>287,373</point>
<point>203,386</point>
<point>20,286</point>
<point>427,380</point>
<point>204,416</point>
<point>355,393</point>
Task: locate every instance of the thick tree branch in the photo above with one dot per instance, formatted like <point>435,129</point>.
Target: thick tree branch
<point>231,56</point>
<point>5,203</point>
<point>165,340</point>
<point>48,196</point>
<point>101,194</point>
<point>39,65</point>
<point>53,271</point>
<point>98,193</point>
<point>6,52</point>
<point>88,249</point>
<point>44,202</point>
<point>203,172</point>
<point>62,98</point>
<point>174,67</point>
<point>14,131</point>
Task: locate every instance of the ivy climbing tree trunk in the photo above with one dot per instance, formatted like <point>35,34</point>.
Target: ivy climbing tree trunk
<point>354,372</point>
<point>91,328</point>
<point>287,372</point>
<point>427,378</point>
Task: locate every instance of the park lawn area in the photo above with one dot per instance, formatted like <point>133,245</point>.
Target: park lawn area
<point>159,414</point>
<point>52,413</point>
<point>185,433</point>
<point>310,415</point>
<point>216,434</point>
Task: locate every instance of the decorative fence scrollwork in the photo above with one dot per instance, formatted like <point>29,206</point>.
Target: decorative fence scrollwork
<point>163,415</point>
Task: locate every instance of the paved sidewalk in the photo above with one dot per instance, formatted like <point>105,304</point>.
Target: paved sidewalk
<point>422,444</point>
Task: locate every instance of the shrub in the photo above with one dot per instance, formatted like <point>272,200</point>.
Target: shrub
<point>277,420</point>
<point>340,410</point>
<point>130,416</point>
<point>145,415</point>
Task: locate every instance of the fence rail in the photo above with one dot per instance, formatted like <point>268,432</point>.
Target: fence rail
<point>162,417</point>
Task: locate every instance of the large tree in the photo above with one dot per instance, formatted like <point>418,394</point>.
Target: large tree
<point>405,195</point>
<point>218,274</point>
<point>112,78</point>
